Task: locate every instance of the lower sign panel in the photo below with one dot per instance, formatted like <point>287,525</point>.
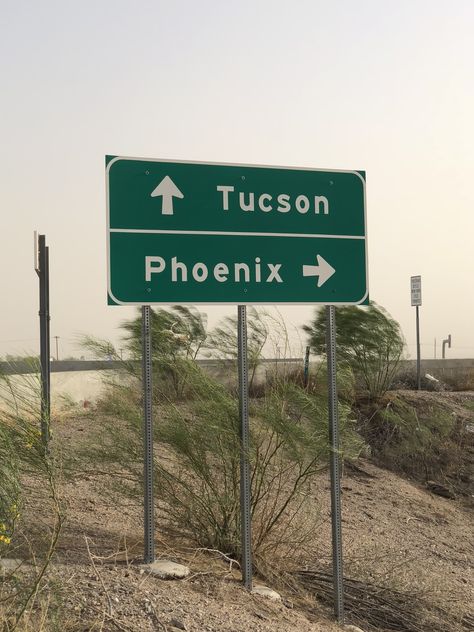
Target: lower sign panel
<point>151,268</point>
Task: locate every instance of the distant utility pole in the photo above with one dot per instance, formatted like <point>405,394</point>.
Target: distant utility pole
<point>57,348</point>
<point>415,286</point>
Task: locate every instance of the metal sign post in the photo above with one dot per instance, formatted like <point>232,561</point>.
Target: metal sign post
<point>418,351</point>
<point>42,270</point>
<point>306,367</point>
<point>149,517</point>
<point>335,465</point>
<point>415,287</point>
<point>245,491</point>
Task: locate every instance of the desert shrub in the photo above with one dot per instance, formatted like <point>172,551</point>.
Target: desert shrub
<point>368,340</point>
<point>23,457</point>
<point>462,382</point>
<point>9,489</point>
<point>20,446</point>
<point>292,426</point>
<point>317,384</point>
<point>288,446</point>
<point>198,443</point>
<point>424,441</point>
<point>198,466</point>
<point>407,380</point>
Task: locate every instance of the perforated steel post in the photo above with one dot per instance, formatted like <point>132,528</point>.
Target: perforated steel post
<point>43,273</point>
<point>246,527</point>
<point>149,516</point>
<point>335,465</point>
<point>418,355</point>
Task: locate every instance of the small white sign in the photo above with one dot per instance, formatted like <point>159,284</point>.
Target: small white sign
<point>415,284</point>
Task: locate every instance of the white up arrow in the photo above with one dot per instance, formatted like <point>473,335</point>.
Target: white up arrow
<point>167,190</point>
<point>323,270</point>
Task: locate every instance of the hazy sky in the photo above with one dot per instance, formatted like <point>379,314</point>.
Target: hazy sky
<point>385,87</point>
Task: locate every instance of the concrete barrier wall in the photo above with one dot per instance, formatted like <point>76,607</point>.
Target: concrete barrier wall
<point>61,366</point>
<point>98,365</point>
<point>77,387</point>
<point>82,381</point>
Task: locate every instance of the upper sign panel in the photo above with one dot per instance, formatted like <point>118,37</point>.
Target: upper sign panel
<point>181,232</point>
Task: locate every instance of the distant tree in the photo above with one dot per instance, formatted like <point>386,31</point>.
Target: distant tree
<point>368,339</point>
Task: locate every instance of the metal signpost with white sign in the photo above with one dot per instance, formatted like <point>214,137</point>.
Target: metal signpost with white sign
<point>41,256</point>
<point>207,233</point>
<point>415,287</point>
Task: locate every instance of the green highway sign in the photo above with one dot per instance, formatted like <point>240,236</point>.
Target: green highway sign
<point>188,232</point>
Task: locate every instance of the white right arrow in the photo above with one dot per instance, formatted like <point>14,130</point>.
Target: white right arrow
<point>167,190</point>
<point>323,270</point>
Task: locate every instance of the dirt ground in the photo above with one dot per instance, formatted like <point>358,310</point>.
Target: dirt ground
<point>396,533</point>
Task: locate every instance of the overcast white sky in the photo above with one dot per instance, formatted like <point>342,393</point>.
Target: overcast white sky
<point>385,87</point>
